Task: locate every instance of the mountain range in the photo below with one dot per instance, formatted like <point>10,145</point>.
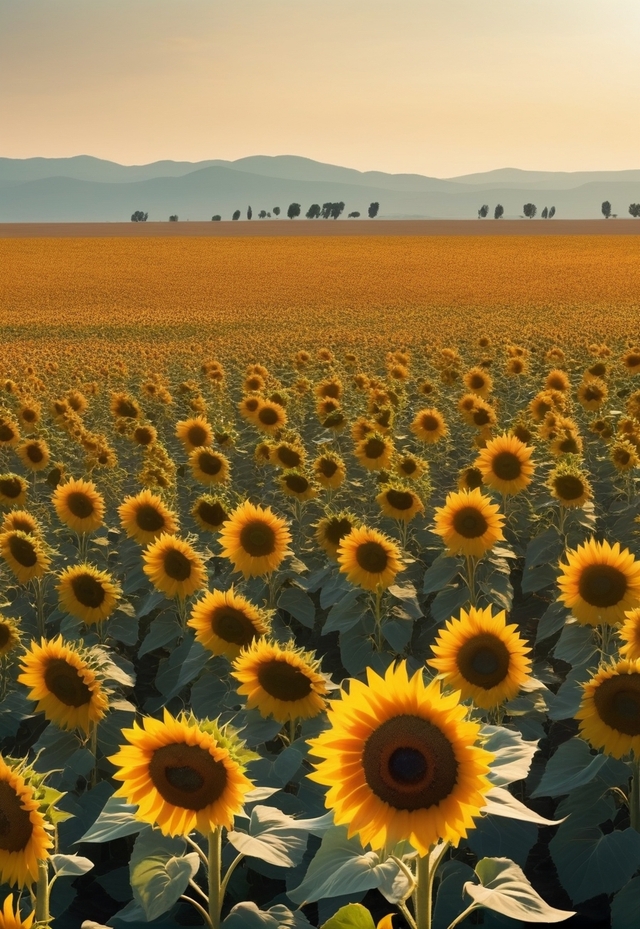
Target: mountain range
<point>87,189</point>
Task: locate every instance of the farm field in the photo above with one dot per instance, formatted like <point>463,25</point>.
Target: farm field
<point>320,581</point>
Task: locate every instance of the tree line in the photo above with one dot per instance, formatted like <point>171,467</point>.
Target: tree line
<point>315,211</point>
<point>529,210</point>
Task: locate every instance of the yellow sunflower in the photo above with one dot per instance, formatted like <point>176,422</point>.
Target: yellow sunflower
<point>65,685</point>
<point>374,452</point>
<point>182,775</point>
<point>630,635</point>
<point>429,426</point>
<point>194,433</point>
<point>24,555</point>
<point>13,490</point>
<point>482,657</point>
<point>399,503</point>
<point>609,713</point>
<point>287,455</point>
<point>11,919</point>
<point>209,467</point>
<point>174,567</point>
<point>144,435</point>
<point>9,431</point>
<point>478,381</point>
<point>295,484</point>
<point>79,505</point>
<point>124,407</point>
<point>225,622</point>
<point>411,467</point>
<point>401,762</point>
<point>623,455</point>
<point>9,635</point>
<point>21,520</point>
<point>25,838</point>
<point>88,593</point>
<point>254,539</point>
<point>145,516</point>
<point>505,463</point>
<point>210,513</point>
<point>469,523</point>
<point>280,681</point>
<point>592,394</point>
<point>270,417</point>
<point>569,486</point>
<point>600,582</point>
<point>369,558</point>
<point>34,454</point>
<point>248,408</point>
<point>329,470</point>
<point>470,478</point>
<point>331,530</point>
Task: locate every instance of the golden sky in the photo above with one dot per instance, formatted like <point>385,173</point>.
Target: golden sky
<point>437,87</point>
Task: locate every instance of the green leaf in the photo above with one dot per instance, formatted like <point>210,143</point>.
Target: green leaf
<point>160,871</point>
<point>351,916</point>
<point>406,593</point>
<point>591,863</point>
<point>576,644</point>
<point>450,899</point>
<point>504,889</point>
<point>70,865</point>
<point>551,621</point>
<point>273,837</point>
<point>503,838</point>
<point>499,802</point>
<point>572,765</point>
<point>513,755</point>
<point>345,613</point>
<point>625,908</point>
<point>299,604</point>
<point>544,548</point>
<point>449,602</point>
<point>440,574</point>
<point>164,628</point>
<point>116,820</point>
<point>397,632</point>
<point>248,916</point>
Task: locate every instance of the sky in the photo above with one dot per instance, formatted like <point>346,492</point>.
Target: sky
<point>435,87</point>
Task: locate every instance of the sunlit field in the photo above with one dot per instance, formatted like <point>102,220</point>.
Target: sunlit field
<point>320,582</point>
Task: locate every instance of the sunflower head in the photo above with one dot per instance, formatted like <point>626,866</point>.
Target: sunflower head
<point>569,485</point>
<point>11,919</point>
<point>13,490</point>
<point>505,464</point>
<point>287,455</point>
<point>254,539</point>
<point>369,558</point>
<point>374,452</point>
<point>194,433</point>
<point>478,381</point>
<point>34,454</point>
<point>469,523</point>
<point>210,512</point>
<point>145,516</point>
<point>209,466</point>
<point>410,467</point>
<point>630,635</point>
<point>332,529</point>
<point>226,622</point>
<point>24,554</point>
<point>88,593</point>
<point>9,635</point>
<point>295,484</point>
<point>429,426</point>
<point>470,478</point>
<point>609,714</point>
<point>79,505</point>
<point>174,566</point>
<point>599,582</point>
<point>399,502</point>
<point>329,470</point>
<point>25,837</point>
<point>270,417</point>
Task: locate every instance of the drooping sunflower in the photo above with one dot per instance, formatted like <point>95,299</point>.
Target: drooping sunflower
<point>226,622</point>
<point>145,516</point>
<point>11,919</point>
<point>294,484</point>
<point>210,512</point>
<point>79,505</point>
<point>374,452</point>
<point>270,417</point>
<point>9,635</point>
<point>13,490</point>
<point>429,426</point>
<point>24,554</point>
<point>401,762</point>
<point>124,407</point>
<point>25,838</point>
<point>34,454</point>
<point>505,463</point>
<point>332,529</point>
<point>174,566</point>
<point>145,435</point>
<point>9,431</point>
<point>194,433</point>
<point>557,380</point>
<point>592,394</point>
<point>280,681</point>
<point>399,503</point>
<point>624,456</point>
<point>208,466</point>
<point>287,455</point>
<point>329,470</point>
<point>88,593</point>
<point>470,478</point>
<point>254,539</point>
<point>369,558</point>
<point>63,681</point>
<point>600,582</point>
<point>469,523</point>
<point>482,657</point>
<point>609,713</point>
<point>630,635</point>
<point>182,774</point>
<point>569,486</point>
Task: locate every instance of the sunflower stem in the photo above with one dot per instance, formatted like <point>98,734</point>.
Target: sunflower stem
<point>215,888</point>
<point>471,578</point>
<point>407,915</point>
<point>634,798</point>
<point>196,905</point>
<point>463,916</point>
<point>225,881</point>
<point>378,619</point>
<point>94,752</point>
<point>422,897</point>
<point>181,607</point>
<point>39,604</point>
<point>42,895</point>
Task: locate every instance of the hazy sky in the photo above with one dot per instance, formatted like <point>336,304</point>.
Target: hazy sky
<point>439,87</point>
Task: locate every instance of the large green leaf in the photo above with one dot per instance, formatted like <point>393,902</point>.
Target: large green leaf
<point>499,802</point>
<point>504,889</point>
<point>248,916</point>
<point>351,916</point>
<point>160,871</point>
<point>117,819</point>
<point>572,765</point>
<point>625,908</point>
<point>512,754</point>
<point>591,863</point>
<point>442,572</point>
<point>70,865</point>
<point>276,838</point>
<point>299,604</point>
<point>576,644</point>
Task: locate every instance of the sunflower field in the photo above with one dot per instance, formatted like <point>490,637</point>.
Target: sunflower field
<point>338,629</point>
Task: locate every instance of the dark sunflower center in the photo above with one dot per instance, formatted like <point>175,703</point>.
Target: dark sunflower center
<point>283,681</point>
<point>506,466</point>
<point>6,433</point>
<point>232,625</point>
<point>470,523</point>
<point>602,585</point>
<point>11,487</point>
<point>177,566</point>
<point>34,453</point>
<point>617,701</point>
<point>23,551</point>
<point>268,416</point>
<point>88,591</point>
<point>5,634</point>
<point>408,465</point>
<point>197,435</point>
<point>252,404</point>
<point>15,823</point>
<point>327,467</point>
<point>65,683</point>
<point>331,390</point>
<point>568,486</point>
<point>209,463</point>
<point>297,483</point>
<point>337,529</point>
<point>211,513</point>
<point>592,393</point>
<point>473,478</point>
<point>80,504</point>
<point>481,417</point>
<point>258,539</point>
<point>568,446</point>
<point>484,661</point>
<point>621,455</point>
<point>430,423</point>
<point>29,415</point>
<point>126,409</point>
<point>400,499</point>
<point>187,776</point>
<point>289,457</point>
<point>476,382</point>
<point>409,763</point>
<point>633,361</point>
<point>374,448</point>
<point>149,518</point>
<point>372,557</point>
<point>143,435</point>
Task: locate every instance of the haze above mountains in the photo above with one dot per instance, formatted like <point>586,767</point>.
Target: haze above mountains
<point>87,189</point>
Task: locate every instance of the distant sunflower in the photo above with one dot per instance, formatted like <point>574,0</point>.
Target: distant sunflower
<point>331,530</point>
<point>592,394</point>
<point>280,681</point>
<point>411,467</point>
<point>364,427</point>
<point>482,657</point>
<point>557,380</point>
<point>294,484</point>
<point>174,567</point>
<point>9,637</point>
<point>600,582</point>
<point>64,684</point>
<point>569,486</point>
<point>88,593</point>
<point>609,713</point>
<point>210,513</point>
<point>623,455</point>
<point>79,505</point>
<point>374,452</point>
<point>429,426</point>
<point>469,523</point>
<point>478,381</point>
<point>145,435</point>
<point>24,554</point>
<point>630,635</point>
<point>9,431</point>
<point>287,455</point>
<point>25,838</point>
<point>399,503</point>
<point>329,470</point>
<point>125,407</point>
<point>369,558</point>
<point>270,417</point>
<point>145,516</point>
<point>401,762</point>
<point>34,454</point>
<point>13,490</point>
<point>194,433</point>
<point>11,919</point>
<point>631,360</point>
<point>470,478</point>
<point>182,774</point>
<point>249,406</point>
<point>505,463</point>
<point>208,466</point>
<point>254,539</point>
<point>226,622</point>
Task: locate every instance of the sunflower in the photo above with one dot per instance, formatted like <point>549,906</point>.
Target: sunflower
<point>482,657</point>
<point>194,433</point>
<point>600,582</point>
<point>34,454</point>
<point>569,486</point>
<point>249,407</point>
<point>174,567</point>
<point>505,463</point>
<point>125,407</point>
<point>478,381</point>
<point>144,517</point>
<point>369,558</point>
<point>226,622</point>
<point>11,919</point>
<point>65,685</point>
<point>374,452</point>
<point>87,593</point>
<point>145,435</point>
<point>9,431</point>
<point>29,413</point>
<point>515,367</point>
<point>331,530</point>
<point>9,636</point>
<point>287,455</point>
<point>557,380</point>
<point>294,484</point>
<point>24,839</point>
<point>429,426</point>
<point>470,478</point>
<point>401,762</point>
<point>609,713</point>
<point>210,513</point>
<point>364,427</point>
<point>209,467</point>
<point>254,539</point>
<point>592,394</point>
<point>329,470</point>
<point>24,555</point>
<point>399,503</point>
<point>630,635</point>
<point>623,455</point>
<point>280,681</point>
<point>79,505</point>
<point>270,417</point>
<point>567,443</point>
<point>182,774</point>
<point>254,383</point>
<point>469,523</point>
<point>13,490</point>
<point>410,467</point>
<point>631,360</point>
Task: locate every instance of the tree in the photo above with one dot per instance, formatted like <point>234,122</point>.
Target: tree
<point>216,218</point>
<point>236,215</point>
<point>606,209</point>
<point>354,215</point>
<point>373,210</point>
<point>174,218</point>
<point>634,209</point>
<point>544,213</point>
<point>483,211</point>
<point>139,217</point>
<point>529,210</point>
<point>336,209</point>
<point>293,211</point>
<point>262,214</point>
<point>314,211</point>
<point>552,212</point>
<point>276,210</point>
<point>249,212</point>
<point>326,210</point>
<point>498,213</point>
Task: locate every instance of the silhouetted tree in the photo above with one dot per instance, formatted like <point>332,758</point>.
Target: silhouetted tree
<point>293,211</point>
<point>276,210</point>
<point>529,210</point>
<point>483,211</point>
<point>249,212</point>
<point>552,212</point>
<point>498,213</point>
<point>174,218</point>
<point>634,209</point>
<point>216,218</point>
<point>544,213</point>
<point>314,211</point>
<point>139,217</point>
<point>236,215</point>
<point>326,210</point>
<point>354,215</point>
<point>606,209</point>
<point>336,209</point>
<point>262,214</point>
<point>373,210</point>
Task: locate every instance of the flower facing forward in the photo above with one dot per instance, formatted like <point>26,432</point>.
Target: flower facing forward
<point>600,582</point>
<point>609,713</point>
<point>469,523</point>
<point>254,539</point>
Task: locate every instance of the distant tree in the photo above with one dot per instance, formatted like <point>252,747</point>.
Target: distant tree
<point>544,213</point>
<point>606,209</point>
<point>262,214</point>
<point>634,209</point>
<point>236,215</point>
<point>336,209</point>
<point>353,215</point>
<point>174,218</point>
<point>483,211</point>
<point>326,210</point>
<point>216,218</point>
<point>293,211</point>
<point>373,210</point>
<point>249,212</point>
<point>276,210</point>
<point>139,217</point>
<point>314,211</point>
<point>529,210</point>
<point>498,213</point>
<point>552,212</point>
<point>268,215</point>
